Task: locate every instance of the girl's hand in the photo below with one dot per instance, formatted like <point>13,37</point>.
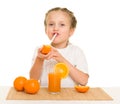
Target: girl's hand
<point>41,55</point>
<point>54,54</point>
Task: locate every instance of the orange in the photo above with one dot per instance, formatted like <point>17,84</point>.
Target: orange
<point>19,83</point>
<point>82,89</point>
<point>31,86</point>
<point>62,69</point>
<point>46,49</point>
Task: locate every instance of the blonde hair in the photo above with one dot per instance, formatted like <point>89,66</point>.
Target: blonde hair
<point>70,13</point>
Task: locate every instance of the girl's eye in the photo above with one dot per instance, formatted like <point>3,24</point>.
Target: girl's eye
<point>51,24</point>
<point>62,24</point>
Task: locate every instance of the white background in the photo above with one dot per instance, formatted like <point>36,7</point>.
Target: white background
<point>97,33</point>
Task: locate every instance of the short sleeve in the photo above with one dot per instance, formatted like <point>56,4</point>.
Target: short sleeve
<point>34,55</point>
<point>81,62</point>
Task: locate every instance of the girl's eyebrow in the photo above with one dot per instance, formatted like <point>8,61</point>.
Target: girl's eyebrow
<point>63,22</point>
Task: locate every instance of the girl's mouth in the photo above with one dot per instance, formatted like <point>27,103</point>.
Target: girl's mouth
<point>55,34</point>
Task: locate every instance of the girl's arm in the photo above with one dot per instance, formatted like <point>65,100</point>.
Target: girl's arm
<point>36,69</point>
<point>78,76</point>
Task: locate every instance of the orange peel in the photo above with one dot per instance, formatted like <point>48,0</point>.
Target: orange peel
<point>46,49</point>
<point>81,89</point>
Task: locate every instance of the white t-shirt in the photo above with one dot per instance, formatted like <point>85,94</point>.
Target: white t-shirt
<point>75,56</point>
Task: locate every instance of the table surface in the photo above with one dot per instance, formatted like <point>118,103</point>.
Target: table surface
<point>114,92</point>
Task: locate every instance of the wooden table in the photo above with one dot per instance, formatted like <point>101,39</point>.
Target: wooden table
<point>114,92</point>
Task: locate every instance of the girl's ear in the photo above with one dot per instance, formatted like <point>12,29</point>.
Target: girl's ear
<point>72,31</point>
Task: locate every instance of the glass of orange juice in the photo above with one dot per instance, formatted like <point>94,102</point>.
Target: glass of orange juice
<point>54,82</point>
<point>56,73</point>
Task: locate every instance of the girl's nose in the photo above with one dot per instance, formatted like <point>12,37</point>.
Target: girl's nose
<point>56,27</point>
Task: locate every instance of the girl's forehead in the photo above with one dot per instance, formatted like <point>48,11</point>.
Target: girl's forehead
<point>58,13</point>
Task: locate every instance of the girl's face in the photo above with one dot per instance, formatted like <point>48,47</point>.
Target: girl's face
<point>58,22</point>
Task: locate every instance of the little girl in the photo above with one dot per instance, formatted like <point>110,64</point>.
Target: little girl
<point>62,22</point>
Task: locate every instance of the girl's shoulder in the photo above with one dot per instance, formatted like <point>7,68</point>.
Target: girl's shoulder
<point>74,47</point>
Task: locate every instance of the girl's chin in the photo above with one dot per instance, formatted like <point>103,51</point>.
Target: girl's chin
<point>54,44</point>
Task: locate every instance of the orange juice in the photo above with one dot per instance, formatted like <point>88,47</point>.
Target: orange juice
<point>54,82</point>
